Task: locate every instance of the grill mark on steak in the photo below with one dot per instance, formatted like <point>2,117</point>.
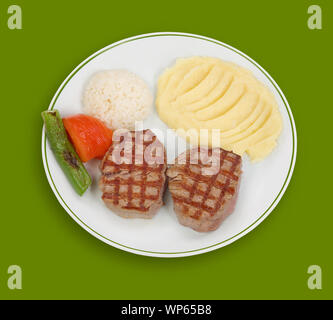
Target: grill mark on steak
<point>202,193</point>
<point>129,167</point>
<point>134,208</point>
<point>230,175</point>
<point>109,195</point>
<point>144,185</point>
<point>129,191</point>
<point>129,183</point>
<point>118,181</point>
<point>116,191</point>
<point>211,184</point>
<point>187,172</point>
<point>134,189</point>
<point>201,200</point>
<point>223,191</point>
<point>193,204</point>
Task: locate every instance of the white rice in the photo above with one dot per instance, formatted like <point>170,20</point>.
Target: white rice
<point>118,98</point>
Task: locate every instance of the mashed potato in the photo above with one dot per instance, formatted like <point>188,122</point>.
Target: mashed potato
<point>118,98</point>
<point>205,97</point>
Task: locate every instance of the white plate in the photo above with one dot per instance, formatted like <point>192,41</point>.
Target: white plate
<point>262,186</point>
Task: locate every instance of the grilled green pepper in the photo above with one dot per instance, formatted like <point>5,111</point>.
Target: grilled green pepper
<point>64,152</point>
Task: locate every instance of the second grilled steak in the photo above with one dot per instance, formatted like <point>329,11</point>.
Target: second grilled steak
<point>204,185</point>
<point>133,175</point>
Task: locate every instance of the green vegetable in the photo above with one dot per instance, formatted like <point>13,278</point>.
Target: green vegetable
<point>64,152</point>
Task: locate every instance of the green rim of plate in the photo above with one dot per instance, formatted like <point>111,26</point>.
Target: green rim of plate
<point>178,35</point>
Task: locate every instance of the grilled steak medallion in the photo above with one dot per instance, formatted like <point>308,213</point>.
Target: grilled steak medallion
<point>133,174</point>
<point>204,184</point>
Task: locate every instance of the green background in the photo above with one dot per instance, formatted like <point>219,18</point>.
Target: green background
<point>62,261</point>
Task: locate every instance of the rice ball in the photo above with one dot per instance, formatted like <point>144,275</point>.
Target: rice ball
<point>118,98</point>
